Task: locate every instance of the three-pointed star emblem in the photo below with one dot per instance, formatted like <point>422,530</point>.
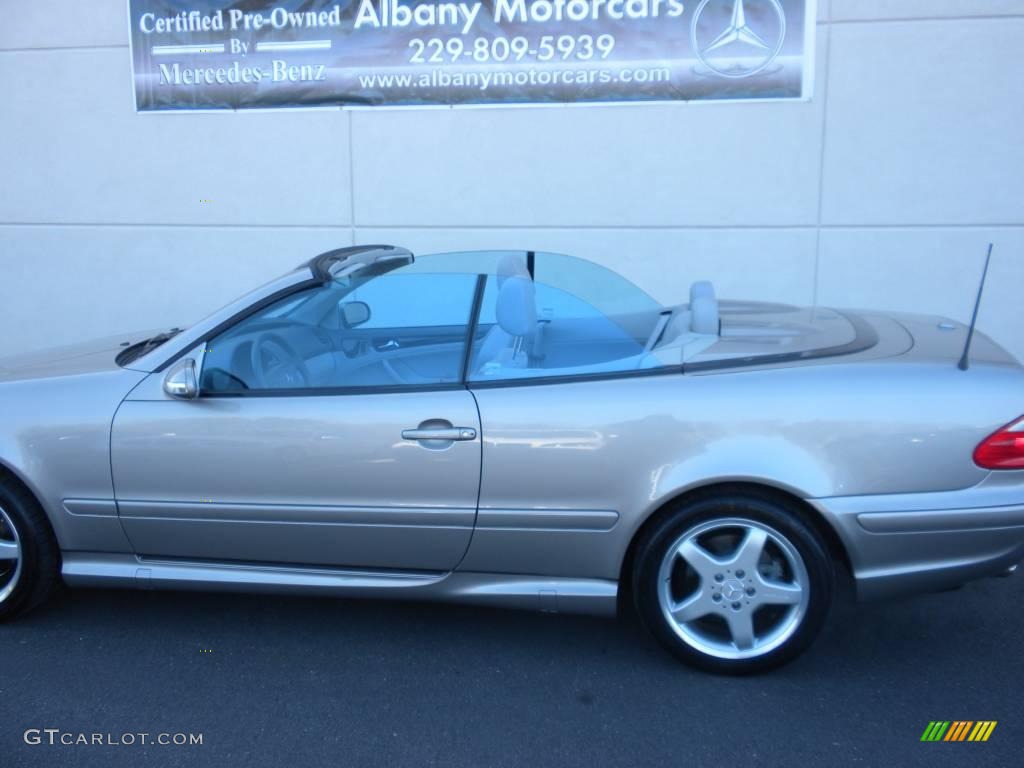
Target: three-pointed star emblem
<point>737,31</point>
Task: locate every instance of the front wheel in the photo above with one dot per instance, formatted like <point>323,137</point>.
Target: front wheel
<point>29,556</point>
<point>734,585</point>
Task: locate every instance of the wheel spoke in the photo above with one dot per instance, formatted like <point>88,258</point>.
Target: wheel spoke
<point>699,559</point>
<point>777,593</point>
<point>8,550</point>
<point>741,627</point>
<point>692,609</point>
<point>751,549</point>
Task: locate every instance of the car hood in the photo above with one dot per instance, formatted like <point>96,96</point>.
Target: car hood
<point>86,357</point>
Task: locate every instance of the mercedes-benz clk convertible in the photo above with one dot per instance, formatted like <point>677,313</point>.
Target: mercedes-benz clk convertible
<point>526,430</point>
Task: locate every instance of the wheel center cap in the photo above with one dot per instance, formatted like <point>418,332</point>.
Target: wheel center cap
<point>732,590</point>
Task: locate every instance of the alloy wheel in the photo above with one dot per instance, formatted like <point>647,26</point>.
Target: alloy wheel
<point>734,588</point>
<point>10,556</point>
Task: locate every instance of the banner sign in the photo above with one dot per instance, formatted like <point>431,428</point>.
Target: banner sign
<point>210,54</point>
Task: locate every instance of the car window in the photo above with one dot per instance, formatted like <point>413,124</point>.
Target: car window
<point>390,330</point>
<point>533,329</point>
<point>606,291</point>
<point>410,300</point>
<point>286,308</point>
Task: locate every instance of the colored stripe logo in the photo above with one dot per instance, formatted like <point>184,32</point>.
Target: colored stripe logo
<point>959,730</point>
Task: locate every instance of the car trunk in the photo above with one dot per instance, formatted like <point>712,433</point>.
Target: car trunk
<point>938,338</point>
<point>760,334</point>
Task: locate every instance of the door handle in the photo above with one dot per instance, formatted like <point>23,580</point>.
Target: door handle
<point>446,434</point>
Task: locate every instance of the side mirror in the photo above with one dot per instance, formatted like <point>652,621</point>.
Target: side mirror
<point>181,381</point>
<point>354,313</point>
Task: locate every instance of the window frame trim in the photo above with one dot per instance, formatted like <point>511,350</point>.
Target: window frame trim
<point>474,325</point>
<point>665,370</point>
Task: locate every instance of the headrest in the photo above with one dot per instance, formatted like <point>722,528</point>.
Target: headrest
<point>517,306</point>
<point>701,288</point>
<point>706,318</point>
<point>512,265</point>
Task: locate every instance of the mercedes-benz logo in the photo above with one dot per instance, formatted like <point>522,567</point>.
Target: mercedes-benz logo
<point>732,591</point>
<point>738,33</point>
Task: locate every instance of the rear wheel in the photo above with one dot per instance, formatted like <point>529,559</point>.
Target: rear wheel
<point>733,584</point>
<point>29,556</point>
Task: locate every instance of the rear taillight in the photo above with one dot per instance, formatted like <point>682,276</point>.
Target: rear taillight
<point>1004,449</point>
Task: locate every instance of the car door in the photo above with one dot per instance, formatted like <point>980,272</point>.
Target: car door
<point>315,440</point>
<point>567,380</point>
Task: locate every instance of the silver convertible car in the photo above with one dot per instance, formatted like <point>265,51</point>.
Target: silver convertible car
<point>519,429</point>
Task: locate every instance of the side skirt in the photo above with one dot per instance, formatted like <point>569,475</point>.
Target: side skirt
<point>535,593</point>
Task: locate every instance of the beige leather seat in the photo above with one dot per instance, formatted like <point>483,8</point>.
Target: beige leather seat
<point>505,345</point>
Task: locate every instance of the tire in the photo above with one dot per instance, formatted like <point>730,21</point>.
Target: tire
<point>31,578</point>
<point>733,584</point>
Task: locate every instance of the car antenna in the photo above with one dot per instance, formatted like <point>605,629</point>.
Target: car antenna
<point>965,361</point>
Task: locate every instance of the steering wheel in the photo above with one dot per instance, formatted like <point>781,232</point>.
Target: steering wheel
<point>276,364</point>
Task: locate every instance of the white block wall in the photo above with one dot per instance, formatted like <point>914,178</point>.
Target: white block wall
<point>883,191</point>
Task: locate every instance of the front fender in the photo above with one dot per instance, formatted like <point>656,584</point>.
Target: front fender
<point>55,438</point>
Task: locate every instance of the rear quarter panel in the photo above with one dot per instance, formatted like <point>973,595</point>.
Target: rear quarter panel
<point>630,446</point>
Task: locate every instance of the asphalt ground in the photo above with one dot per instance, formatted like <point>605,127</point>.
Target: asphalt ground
<point>275,681</point>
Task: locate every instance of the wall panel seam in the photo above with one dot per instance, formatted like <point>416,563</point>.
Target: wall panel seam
<point>351,178</point>
<point>821,166</point>
<point>61,48</point>
<point>524,227</point>
<point>913,19</point>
